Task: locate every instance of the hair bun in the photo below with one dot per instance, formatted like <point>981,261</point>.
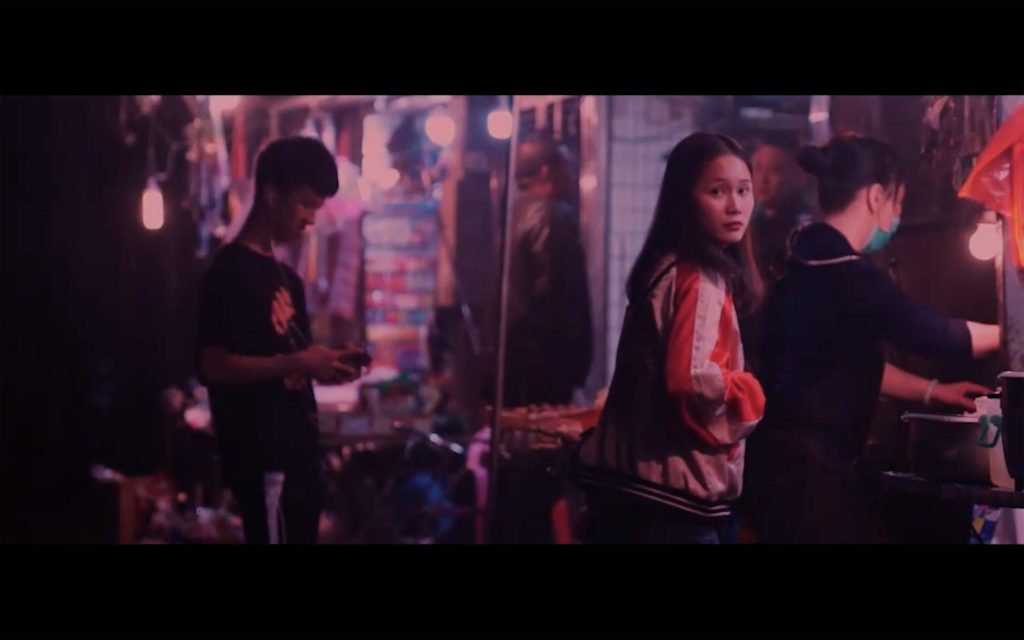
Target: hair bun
<point>812,160</point>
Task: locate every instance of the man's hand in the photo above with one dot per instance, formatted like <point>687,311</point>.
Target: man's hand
<point>325,365</point>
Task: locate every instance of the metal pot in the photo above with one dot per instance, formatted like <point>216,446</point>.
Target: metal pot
<point>1012,404</point>
<point>946,448</point>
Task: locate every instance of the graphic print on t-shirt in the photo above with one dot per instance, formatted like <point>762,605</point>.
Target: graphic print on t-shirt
<point>281,313</point>
<point>281,310</point>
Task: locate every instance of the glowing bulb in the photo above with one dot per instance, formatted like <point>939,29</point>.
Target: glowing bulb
<point>986,241</point>
<point>588,182</point>
<point>499,124</point>
<point>440,129</point>
<point>221,104</point>
<point>152,206</point>
<point>388,178</point>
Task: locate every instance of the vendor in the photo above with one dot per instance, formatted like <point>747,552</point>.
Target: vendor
<point>823,363</point>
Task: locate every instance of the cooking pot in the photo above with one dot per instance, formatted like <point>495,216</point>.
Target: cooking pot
<point>949,448</point>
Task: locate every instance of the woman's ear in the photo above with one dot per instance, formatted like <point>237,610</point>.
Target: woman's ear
<point>876,198</point>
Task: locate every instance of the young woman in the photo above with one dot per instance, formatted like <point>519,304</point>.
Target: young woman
<point>666,460</point>
<point>822,361</point>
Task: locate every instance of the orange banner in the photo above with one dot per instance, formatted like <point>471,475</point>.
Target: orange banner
<point>997,179</point>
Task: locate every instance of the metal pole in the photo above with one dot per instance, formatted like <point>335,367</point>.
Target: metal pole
<point>499,392</point>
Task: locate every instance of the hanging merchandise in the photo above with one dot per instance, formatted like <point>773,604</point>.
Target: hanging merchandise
<point>344,143</point>
<point>212,171</point>
<point>344,293</point>
<point>345,210</point>
<point>239,147</point>
<point>329,133</point>
<point>400,253</point>
<point>326,257</point>
<point>219,149</point>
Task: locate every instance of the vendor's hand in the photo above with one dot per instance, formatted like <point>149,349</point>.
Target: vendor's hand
<point>323,365</point>
<point>958,394</point>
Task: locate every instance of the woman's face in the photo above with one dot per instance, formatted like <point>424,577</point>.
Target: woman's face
<point>725,198</point>
<point>292,213</point>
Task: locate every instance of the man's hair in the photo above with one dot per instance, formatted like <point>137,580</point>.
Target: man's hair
<point>289,163</point>
<point>787,142</point>
<point>537,151</point>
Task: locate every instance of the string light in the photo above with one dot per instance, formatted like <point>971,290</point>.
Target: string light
<point>152,206</point>
<point>440,129</point>
<point>499,124</point>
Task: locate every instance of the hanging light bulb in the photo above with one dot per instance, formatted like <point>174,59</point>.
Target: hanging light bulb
<point>440,129</point>
<point>152,206</point>
<point>499,124</point>
<point>388,178</point>
<point>987,239</point>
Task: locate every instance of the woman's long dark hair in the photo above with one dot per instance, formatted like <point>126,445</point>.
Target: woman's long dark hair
<point>676,230</point>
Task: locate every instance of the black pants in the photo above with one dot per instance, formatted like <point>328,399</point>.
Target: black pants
<point>300,503</point>
<point>799,489</point>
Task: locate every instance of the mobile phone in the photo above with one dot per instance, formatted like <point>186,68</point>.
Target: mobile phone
<point>357,359</point>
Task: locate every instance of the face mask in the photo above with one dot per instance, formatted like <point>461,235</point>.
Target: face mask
<point>880,238</point>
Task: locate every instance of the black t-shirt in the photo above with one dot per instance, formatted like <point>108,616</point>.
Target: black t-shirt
<point>252,305</point>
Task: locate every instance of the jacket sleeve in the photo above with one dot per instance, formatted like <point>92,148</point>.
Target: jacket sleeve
<point>721,404</point>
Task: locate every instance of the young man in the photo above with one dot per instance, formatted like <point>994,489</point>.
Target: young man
<point>781,203</point>
<point>550,333</point>
<point>549,345</point>
<point>780,207</point>
<point>256,356</point>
